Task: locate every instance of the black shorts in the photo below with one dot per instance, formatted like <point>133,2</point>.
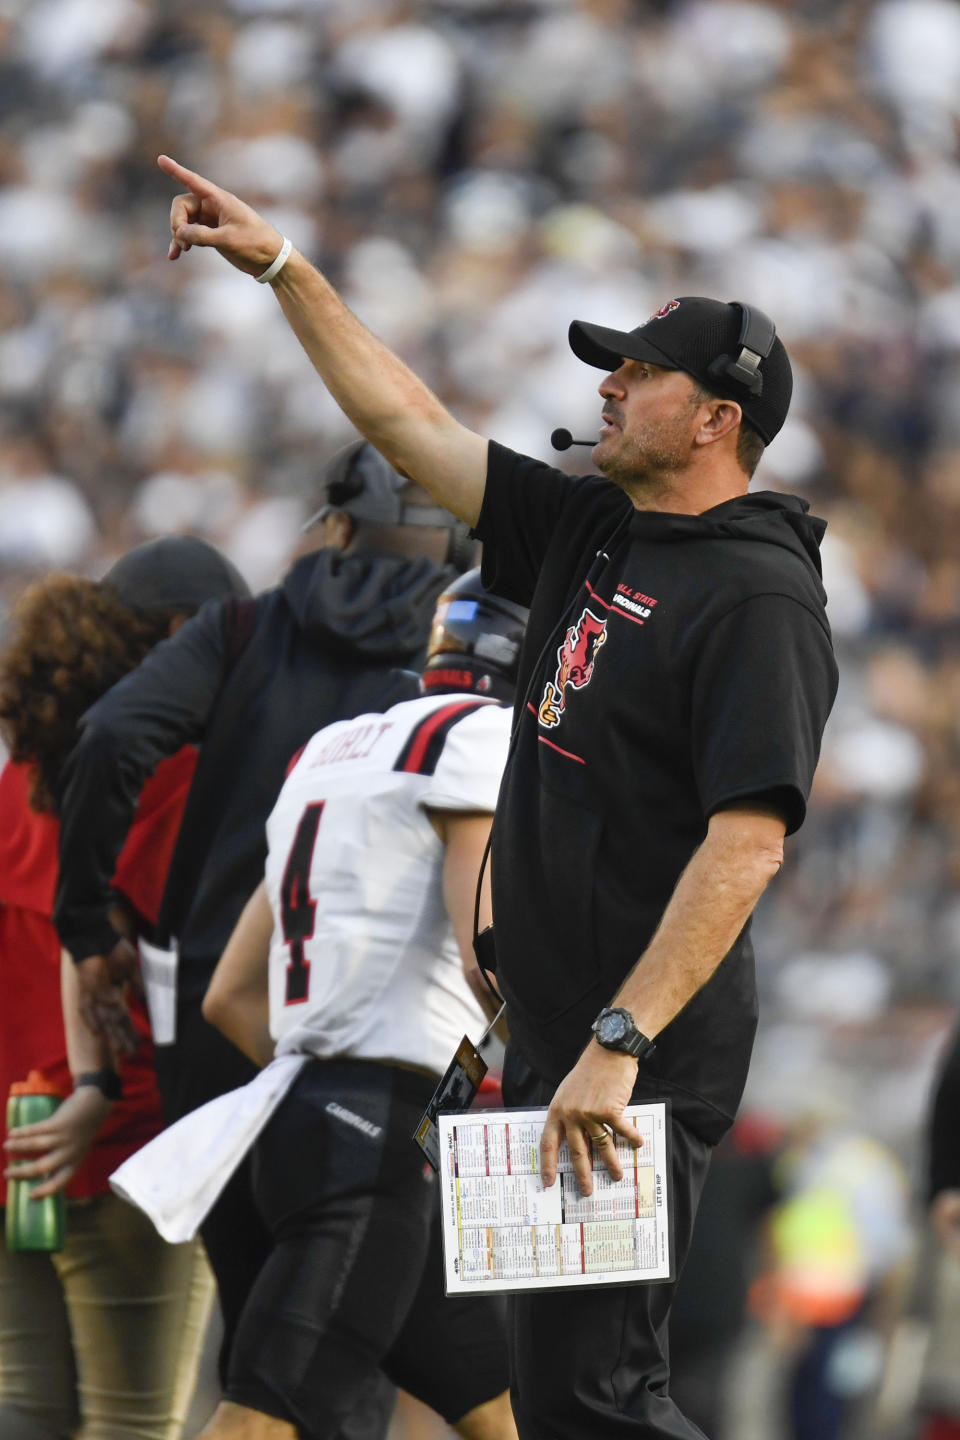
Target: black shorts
<point>354,1281</point>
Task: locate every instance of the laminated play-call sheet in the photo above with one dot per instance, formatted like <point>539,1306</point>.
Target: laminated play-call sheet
<point>503,1231</point>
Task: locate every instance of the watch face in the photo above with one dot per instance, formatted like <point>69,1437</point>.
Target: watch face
<point>611,1029</point>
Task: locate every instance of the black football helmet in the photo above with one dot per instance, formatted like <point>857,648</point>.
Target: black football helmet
<point>475,641</point>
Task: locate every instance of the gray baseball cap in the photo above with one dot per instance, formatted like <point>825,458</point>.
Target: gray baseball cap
<point>359,481</point>
<point>175,572</point>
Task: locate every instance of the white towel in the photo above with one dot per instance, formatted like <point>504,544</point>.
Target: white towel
<point>177,1177</point>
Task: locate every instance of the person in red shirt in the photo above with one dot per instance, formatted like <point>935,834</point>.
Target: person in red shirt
<point>106,1332</point>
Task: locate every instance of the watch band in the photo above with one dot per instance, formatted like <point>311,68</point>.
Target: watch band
<point>106,1080</point>
<point>630,1042</point>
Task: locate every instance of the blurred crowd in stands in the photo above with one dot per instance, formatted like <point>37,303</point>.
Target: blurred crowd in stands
<point>473,174</point>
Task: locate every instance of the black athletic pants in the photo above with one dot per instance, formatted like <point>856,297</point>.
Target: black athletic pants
<point>593,1364</point>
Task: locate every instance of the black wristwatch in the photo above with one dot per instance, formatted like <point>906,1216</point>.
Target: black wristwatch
<point>107,1081</point>
<point>615,1030</point>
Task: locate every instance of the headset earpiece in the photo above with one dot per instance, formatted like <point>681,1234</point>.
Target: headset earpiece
<point>343,481</point>
<point>757,334</point>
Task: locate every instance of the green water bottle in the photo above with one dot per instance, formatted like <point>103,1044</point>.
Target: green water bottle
<point>33,1224</point>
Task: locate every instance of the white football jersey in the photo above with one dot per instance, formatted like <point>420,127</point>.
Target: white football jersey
<point>363,960</point>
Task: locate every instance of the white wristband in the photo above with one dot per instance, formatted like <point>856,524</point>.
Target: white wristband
<point>272,271</point>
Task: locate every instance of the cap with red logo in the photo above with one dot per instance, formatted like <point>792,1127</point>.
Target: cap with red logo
<point>730,347</point>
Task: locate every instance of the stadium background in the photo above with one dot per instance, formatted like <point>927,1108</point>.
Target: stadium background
<point>473,174</point>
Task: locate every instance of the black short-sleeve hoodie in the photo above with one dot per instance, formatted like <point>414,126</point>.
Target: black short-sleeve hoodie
<point>673,664</point>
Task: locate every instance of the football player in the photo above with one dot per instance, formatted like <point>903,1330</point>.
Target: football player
<point>355,954</point>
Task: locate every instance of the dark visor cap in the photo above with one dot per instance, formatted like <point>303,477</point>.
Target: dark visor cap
<point>174,572</point>
<point>698,335</point>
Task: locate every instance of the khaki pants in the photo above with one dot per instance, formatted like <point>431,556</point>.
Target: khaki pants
<point>102,1340</point>
<point>940,1382</point>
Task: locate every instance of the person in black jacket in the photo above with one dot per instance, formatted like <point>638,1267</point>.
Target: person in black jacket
<point>943,1149</point>
<point>677,673</point>
<point>940,1399</point>
<point>249,682</point>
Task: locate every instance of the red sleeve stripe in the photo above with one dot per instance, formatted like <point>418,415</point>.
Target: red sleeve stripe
<point>424,745</point>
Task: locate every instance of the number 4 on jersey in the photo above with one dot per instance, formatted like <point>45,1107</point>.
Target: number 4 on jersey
<point>297,910</point>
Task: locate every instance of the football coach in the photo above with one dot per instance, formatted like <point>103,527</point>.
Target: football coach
<point>676,677</point>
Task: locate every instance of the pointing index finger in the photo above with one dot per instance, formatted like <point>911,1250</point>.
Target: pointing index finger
<point>190,178</point>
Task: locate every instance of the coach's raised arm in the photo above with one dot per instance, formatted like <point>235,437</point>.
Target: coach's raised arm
<point>388,403</point>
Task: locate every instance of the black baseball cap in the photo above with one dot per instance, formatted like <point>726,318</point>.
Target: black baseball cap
<point>174,572</point>
<point>710,340</point>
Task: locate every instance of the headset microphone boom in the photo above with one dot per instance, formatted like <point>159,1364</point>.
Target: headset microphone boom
<point>562,440</point>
